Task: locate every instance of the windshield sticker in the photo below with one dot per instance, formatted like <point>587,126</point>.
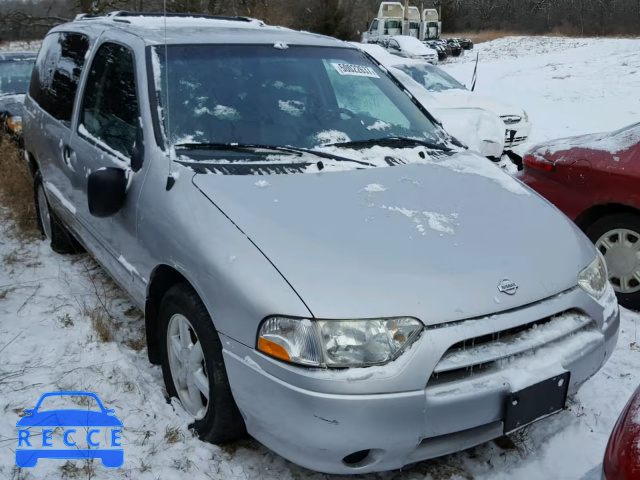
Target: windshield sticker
<point>355,70</point>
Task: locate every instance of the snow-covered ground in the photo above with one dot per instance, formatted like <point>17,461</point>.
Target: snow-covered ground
<point>48,303</point>
<point>567,86</point>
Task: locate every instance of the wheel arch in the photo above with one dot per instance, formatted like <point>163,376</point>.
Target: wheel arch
<point>596,212</point>
<point>31,162</point>
<point>162,279</point>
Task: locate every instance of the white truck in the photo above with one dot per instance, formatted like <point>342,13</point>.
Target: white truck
<point>394,19</point>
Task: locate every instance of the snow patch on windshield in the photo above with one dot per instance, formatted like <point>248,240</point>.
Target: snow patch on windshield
<point>379,125</point>
<point>280,46</point>
<point>332,136</point>
<point>262,184</point>
<point>375,188</point>
<point>292,107</point>
<point>226,113</point>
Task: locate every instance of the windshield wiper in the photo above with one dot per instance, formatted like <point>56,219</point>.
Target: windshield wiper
<point>392,142</point>
<point>252,148</point>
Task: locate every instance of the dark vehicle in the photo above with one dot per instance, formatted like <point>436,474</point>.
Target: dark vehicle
<point>465,43</point>
<point>438,47</point>
<point>456,48</point>
<point>15,75</point>
<point>445,45</point>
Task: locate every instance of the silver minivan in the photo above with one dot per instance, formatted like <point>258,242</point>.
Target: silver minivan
<point>319,263</point>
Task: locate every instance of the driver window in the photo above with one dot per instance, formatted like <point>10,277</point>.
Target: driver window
<point>374,26</point>
<point>109,113</point>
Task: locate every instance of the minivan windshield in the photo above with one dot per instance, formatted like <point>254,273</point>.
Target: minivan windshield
<point>302,97</point>
<point>432,78</point>
<point>15,75</point>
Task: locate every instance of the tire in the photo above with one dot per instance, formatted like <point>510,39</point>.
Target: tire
<point>620,262</point>
<point>51,227</point>
<point>222,421</point>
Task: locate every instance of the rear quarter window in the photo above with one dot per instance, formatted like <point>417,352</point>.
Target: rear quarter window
<point>57,73</point>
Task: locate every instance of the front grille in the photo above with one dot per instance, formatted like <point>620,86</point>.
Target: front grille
<point>511,119</point>
<point>479,354</point>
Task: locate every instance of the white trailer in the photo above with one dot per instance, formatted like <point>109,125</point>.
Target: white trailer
<point>415,22</point>
<point>393,19</point>
<point>431,24</point>
<point>388,22</point>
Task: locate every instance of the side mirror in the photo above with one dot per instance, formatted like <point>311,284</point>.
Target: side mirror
<point>106,190</point>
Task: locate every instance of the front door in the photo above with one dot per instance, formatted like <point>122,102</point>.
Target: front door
<point>108,126</point>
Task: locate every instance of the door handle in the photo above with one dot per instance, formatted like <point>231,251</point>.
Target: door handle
<point>67,153</point>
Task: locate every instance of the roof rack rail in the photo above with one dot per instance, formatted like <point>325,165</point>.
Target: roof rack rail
<point>122,15</point>
<point>87,16</point>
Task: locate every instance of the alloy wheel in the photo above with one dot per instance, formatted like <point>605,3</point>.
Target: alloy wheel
<point>187,364</point>
<point>621,250</point>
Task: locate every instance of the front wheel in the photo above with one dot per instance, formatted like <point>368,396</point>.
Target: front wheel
<point>617,237</point>
<point>193,366</point>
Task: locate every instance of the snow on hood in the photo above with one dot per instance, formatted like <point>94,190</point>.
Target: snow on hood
<point>475,127</point>
<point>399,240</point>
<point>611,142</point>
<point>465,98</point>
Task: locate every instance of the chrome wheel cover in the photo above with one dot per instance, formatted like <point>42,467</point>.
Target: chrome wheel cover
<point>621,250</point>
<point>188,369</point>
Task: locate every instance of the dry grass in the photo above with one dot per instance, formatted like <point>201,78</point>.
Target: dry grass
<point>16,191</point>
<point>100,322</point>
<point>172,435</point>
<point>489,35</point>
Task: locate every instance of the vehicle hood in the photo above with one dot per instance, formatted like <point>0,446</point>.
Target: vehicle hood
<point>430,240</point>
<point>613,143</point>
<point>465,98</point>
<point>479,129</point>
<point>419,50</point>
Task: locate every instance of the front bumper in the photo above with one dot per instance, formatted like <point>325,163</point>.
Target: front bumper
<point>316,418</point>
<point>516,134</point>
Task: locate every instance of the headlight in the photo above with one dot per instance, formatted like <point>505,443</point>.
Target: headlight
<point>594,278</point>
<point>15,124</point>
<point>337,343</point>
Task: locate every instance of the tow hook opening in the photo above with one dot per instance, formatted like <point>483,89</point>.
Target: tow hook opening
<point>361,458</point>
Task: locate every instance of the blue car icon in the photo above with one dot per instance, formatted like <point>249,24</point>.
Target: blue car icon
<point>64,418</point>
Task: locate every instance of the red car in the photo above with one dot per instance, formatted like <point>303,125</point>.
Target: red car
<point>622,457</point>
<point>595,181</point>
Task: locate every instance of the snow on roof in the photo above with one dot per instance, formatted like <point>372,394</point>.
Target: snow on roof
<point>188,21</point>
<point>407,41</point>
<point>185,29</point>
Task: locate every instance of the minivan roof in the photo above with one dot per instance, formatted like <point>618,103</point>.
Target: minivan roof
<point>202,29</point>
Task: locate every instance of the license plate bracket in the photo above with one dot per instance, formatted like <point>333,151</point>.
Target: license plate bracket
<point>535,402</point>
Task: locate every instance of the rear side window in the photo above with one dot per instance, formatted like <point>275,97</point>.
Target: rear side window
<point>110,105</point>
<point>57,73</point>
